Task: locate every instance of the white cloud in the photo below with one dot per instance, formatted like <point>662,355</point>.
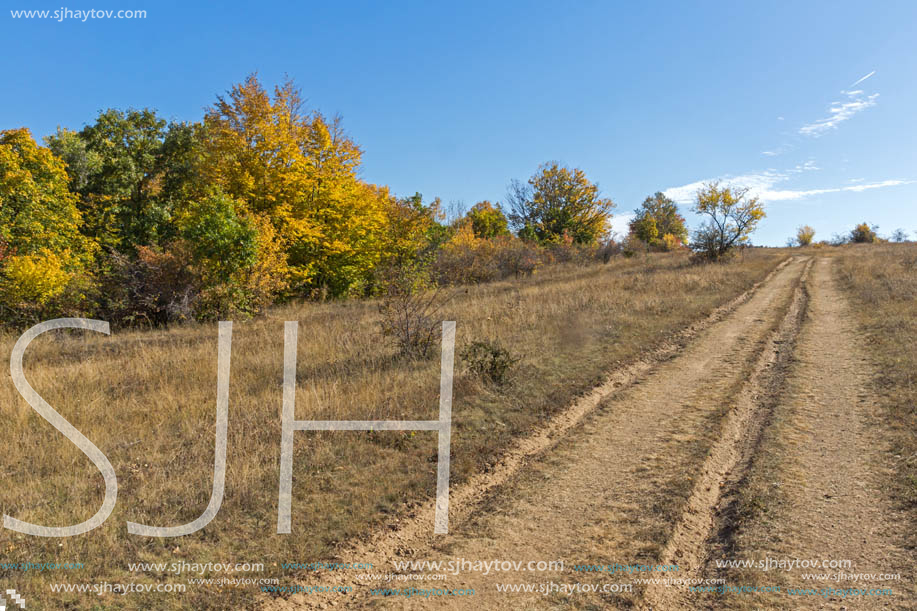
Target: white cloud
<point>619,223</point>
<point>805,167</point>
<point>763,185</point>
<point>783,195</point>
<point>860,80</point>
<point>857,101</point>
<point>780,150</point>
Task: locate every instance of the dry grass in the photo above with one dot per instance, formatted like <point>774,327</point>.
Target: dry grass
<point>882,280</point>
<point>147,399</point>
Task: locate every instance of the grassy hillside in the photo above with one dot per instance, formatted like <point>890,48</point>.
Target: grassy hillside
<point>147,400</point>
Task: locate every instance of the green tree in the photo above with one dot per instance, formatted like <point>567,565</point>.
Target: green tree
<point>558,201</point>
<point>487,220</point>
<point>178,167</point>
<point>81,162</point>
<point>665,219</point>
<point>732,217</point>
<point>120,194</point>
<point>223,243</point>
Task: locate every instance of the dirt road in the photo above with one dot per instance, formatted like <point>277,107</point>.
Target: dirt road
<point>827,462</point>
<point>650,469</point>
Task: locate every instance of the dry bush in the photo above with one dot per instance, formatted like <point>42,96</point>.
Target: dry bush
<point>516,258</point>
<point>567,251</point>
<point>479,260</point>
<point>633,245</point>
<point>157,288</point>
<point>607,250</point>
<point>465,265</point>
<point>409,302</point>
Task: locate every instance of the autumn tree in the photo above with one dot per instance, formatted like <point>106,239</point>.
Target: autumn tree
<point>487,221</point>
<point>804,235</point>
<point>656,218</point>
<point>43,250</point>
<point>899,235</point>
<point>298,169</point>
<point>864,234</point>
<point>732,216</point>
<point>558,201</point>
<point>415,229</point>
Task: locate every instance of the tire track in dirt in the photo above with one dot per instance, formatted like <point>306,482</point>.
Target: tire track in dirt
<point>631,412</point>
<point>729,458</point>
<point>828,460</point>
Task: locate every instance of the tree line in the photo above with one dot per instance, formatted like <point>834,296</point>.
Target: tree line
<point>144,221</point>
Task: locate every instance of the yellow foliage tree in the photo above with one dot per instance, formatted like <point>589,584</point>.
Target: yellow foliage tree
<point>670,242</point>
<point>34,278</point>
<point>732,216</point>
<point>298,170</point>
<point>40,237</point>
<point>805,235</point>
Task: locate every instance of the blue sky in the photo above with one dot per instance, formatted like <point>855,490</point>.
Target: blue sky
<point>810,104</point>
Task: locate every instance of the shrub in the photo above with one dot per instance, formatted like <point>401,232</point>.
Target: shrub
<point>565,250</point>
<point>157,288</point>
<point>804,235</point>
<point>607,250</point>
<point>409,303</point>
<point>864,234</point>
<point>488,361</point>
<point>465,259</point>
<point>517,258</point>
<point>633,245</point>
<point>670,242</point>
